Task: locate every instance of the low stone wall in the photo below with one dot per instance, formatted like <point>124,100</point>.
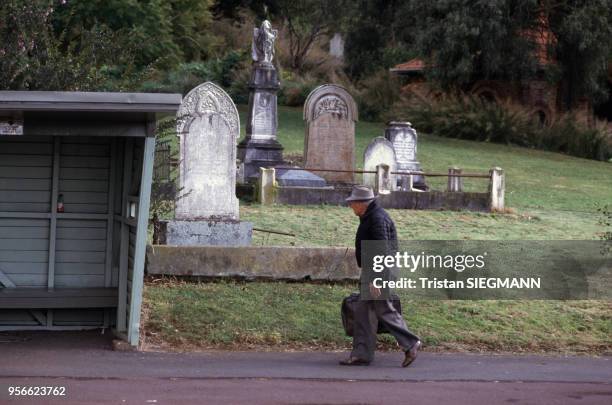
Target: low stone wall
<point>435,200</point>
<point>269,192</point>
<point>283,263</point>
<point>427,200</point>
<point>311,195</point>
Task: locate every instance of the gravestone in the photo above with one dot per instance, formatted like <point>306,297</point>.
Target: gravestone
<point>336,46</point>
<point>208,127</point>
<point>298,178</point>
<point>330,114</point>
<point>404,139</point>
<point>379,151</point>
<point>260,148</point>
<point>207,211</point>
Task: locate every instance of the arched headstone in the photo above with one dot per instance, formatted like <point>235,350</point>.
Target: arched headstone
<point>404,140</point>
<point>208,127</point>
<point>330,114</point>
<point>379,151</point>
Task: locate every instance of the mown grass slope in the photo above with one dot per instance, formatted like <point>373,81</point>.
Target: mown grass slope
<point>551,196</point>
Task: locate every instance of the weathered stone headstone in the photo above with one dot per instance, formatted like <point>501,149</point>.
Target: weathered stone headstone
<point>379,151</point>
<point>330,113</point>
<point>404,139</point>
<point>336,46</point>
<point>208,127</point>
<point>207,208</point>
<point>260,148</point>
<point>299,178</point>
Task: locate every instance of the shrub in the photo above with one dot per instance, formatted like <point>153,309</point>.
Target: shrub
<point>376,94</point>
<point>186,76</point>
<point>569,135</point>
<point>471,118</point>
<point>295,89</point>
<point>239,88</point>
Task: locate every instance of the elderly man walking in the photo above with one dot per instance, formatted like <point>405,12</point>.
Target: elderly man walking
<point>375,224</point>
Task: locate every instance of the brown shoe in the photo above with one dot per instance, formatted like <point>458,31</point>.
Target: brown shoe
<point>411,354</point>
<point>354,361</point>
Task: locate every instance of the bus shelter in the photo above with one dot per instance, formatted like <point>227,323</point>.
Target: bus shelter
<point>75,182</point>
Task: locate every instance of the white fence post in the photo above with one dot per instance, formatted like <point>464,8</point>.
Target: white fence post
<point>497,188</point>
<point>455,184</point>
<point>407,182</point>
<point>265,186</point>
<point>383,184</point>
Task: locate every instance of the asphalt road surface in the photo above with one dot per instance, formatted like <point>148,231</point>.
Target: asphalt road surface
<point>82,366</point>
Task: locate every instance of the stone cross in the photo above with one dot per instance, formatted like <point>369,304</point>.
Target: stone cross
<point>330,113</point>
<point>208,127</point>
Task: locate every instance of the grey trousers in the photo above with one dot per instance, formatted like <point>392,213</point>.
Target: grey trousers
<point>367,316</point>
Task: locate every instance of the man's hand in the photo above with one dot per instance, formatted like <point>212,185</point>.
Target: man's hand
<point>374,291</point>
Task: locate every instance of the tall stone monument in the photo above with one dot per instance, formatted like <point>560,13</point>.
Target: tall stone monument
<point>379,151</point>
<point>330,114</point>
<point>207,212</point>
<point>404,139</point>
<point>260,147</point>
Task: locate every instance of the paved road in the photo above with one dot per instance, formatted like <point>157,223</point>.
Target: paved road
<point>92,373</point>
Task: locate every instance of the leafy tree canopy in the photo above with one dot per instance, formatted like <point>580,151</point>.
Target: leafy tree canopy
<point>464,40</point>
<point>583,49</point>
<point>160,32</point>
<point>32,57</point>
<point>379,35</point>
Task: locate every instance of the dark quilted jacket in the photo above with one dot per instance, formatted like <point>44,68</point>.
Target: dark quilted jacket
<point>375,224</point>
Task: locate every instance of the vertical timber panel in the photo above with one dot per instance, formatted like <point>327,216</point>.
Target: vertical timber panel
<point>109,224</point>
<point>110,217</point>
<point>141,234</point>
<point>53,223</point>
<point>125,236</point>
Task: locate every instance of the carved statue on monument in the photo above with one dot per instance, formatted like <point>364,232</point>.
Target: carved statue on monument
<point>260,148</point>
<point>263,43</point>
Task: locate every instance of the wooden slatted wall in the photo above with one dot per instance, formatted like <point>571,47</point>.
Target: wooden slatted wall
<point>26,191</point>
<point>26,165</point>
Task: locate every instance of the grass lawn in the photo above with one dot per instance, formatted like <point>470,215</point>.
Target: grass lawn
<point>234,315</point>
<point>551,196</point>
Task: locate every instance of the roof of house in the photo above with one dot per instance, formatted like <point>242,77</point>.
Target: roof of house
<point>413,65</point>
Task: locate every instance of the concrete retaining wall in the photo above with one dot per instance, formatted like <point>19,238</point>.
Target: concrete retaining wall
<point>435,200</point>
<point>427,200</point>
<point>290,263</point>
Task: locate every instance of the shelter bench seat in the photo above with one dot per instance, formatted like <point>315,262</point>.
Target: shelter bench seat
<point>35,298</point>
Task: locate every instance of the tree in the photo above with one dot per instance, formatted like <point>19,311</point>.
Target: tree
<point>306,21</point>
<point>583,49</point>
<point>32,57</point>
<point>462,40</point>
<point>161,33</point>
<point>191,28</point>
<point>142,26</point>
<point>379,35</point>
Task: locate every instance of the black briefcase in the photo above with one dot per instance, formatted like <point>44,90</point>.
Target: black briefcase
<point>348,312</point>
